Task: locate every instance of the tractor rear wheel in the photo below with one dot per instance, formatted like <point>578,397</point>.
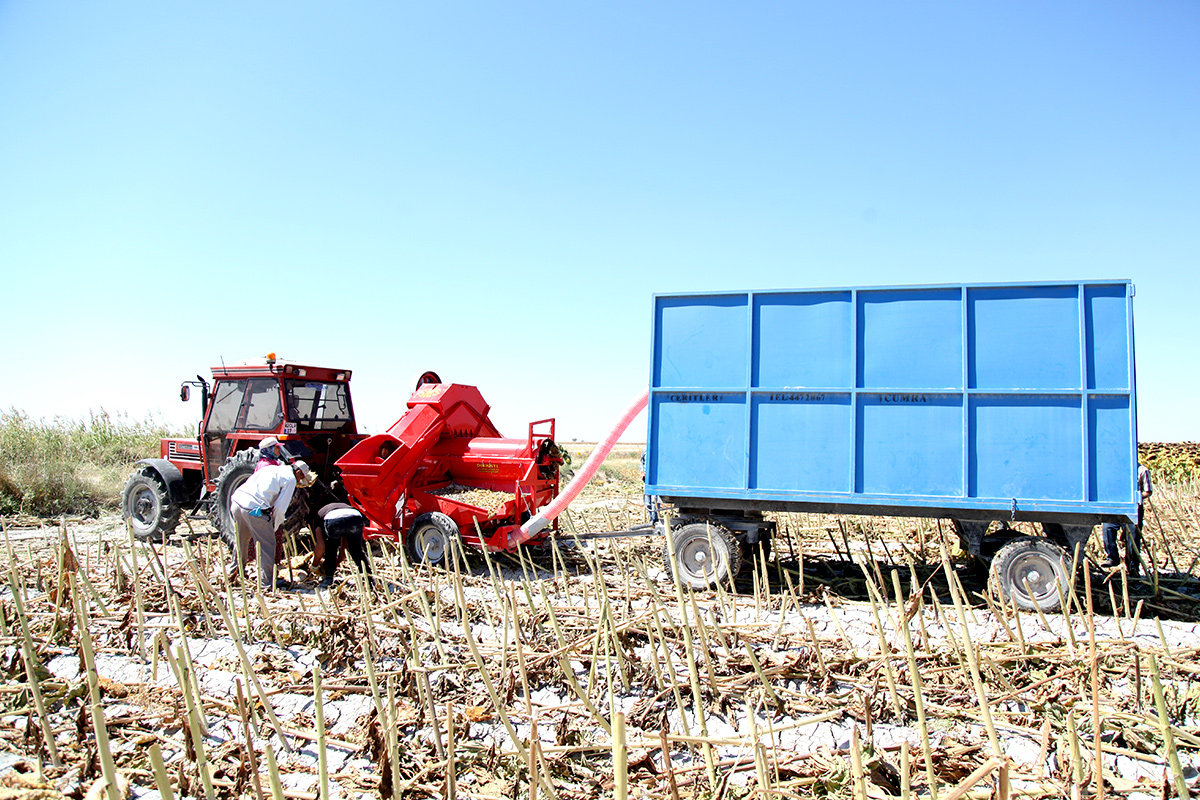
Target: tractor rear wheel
<point>1029,572</point>
<point>148,507</point>
<point>705,554</point>
<point>431,538</point>
<point>234,472</point>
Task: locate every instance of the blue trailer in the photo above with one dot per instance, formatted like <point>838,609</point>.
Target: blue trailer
<point>977,403</point>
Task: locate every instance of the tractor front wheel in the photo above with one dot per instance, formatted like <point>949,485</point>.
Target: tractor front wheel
<point>431,538</point>
<point>148,507</point>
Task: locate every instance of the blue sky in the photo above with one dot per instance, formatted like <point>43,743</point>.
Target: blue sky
<point>495,190</point>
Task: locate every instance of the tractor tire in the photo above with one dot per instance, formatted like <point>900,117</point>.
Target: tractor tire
<point>430,539</point>
<point>234,472</point>
<point>147,505</point>
<point>1034,561</point>
<point>705,554</point>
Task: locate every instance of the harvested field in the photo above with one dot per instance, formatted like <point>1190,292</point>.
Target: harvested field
<point>853,662</point>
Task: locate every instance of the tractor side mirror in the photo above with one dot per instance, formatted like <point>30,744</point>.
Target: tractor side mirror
<point>185,393</point>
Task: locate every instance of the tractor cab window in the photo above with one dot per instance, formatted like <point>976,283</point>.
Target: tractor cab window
<point>263,410</point>
<point>316,406</point>
<point>227,401</point>
<point>245,405</point>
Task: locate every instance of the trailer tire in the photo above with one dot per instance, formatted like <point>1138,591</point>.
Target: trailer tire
<point>1034,560</point>
<point>705,553</point>
<point>431,538</point>
<point>750,552</point>
<point>147,505</point>
<point>234,472</point>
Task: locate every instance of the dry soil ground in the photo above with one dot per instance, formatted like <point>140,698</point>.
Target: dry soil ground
<point>581,670</point>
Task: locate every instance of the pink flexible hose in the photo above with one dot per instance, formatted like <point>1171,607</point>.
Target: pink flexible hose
<point>545,516</point>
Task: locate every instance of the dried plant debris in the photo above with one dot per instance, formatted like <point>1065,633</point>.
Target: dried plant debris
<point>850,662</point>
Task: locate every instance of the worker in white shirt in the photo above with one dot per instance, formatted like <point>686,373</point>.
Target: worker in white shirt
<point>259,507</point>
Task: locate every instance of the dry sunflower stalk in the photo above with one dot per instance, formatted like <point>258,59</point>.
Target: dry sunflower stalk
<point>504,674</point>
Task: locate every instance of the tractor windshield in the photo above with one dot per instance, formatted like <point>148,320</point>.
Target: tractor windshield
<point>316,406</point>
<point>245,405</point>
<point>263,412</point>
<point>227,401</point>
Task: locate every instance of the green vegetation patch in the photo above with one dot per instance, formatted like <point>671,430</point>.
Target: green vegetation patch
<point>71,467</point>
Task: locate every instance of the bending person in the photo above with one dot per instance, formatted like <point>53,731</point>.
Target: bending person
<point>342,521</point>
<point>259,508</point>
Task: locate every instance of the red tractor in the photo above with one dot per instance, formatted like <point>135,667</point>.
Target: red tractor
<point>442,473</point>
<point>307,408</point>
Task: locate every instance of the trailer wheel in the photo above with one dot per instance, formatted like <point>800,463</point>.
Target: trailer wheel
<point>705,553</point>
<point>430,538</point>
<point>147,506</point>
<point>234,472</point>
<point>750,552</point>
<point>1034,561</point>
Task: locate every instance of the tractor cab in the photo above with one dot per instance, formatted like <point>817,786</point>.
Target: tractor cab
<point>308,409</point>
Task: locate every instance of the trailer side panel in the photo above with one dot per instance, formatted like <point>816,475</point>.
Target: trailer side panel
<point>985,398</point>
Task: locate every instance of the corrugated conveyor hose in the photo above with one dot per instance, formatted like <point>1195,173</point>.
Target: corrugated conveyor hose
<point>546,515</point>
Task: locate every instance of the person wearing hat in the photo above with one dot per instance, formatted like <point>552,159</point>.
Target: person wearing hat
<point>259,507</point>
<point>270,453</point>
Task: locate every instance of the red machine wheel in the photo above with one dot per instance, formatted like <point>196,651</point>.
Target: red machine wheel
<point>429,376</point>
<point>430,538</point>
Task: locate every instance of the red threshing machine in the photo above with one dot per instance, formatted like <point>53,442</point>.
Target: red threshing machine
<point>442,473</point>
